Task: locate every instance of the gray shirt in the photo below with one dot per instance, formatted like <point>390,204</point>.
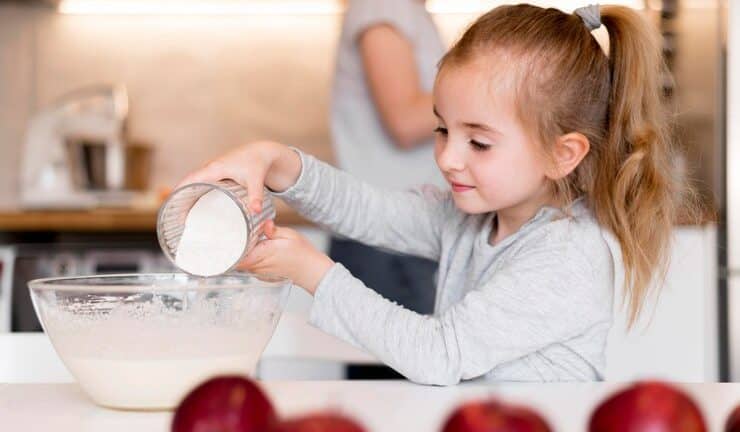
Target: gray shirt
<point>361,143</point>
<point>535,307</point>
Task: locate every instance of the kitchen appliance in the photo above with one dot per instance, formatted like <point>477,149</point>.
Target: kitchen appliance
<point>142,341</point>
<point>89,160</point>
<point>7,259</point>
<point>107,255</point>
<point>76,153</point>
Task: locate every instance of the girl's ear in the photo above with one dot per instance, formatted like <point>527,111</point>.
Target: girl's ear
<point>568,152</point>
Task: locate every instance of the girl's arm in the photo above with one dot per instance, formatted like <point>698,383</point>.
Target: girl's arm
<point>407,222</point>
<point>404,221</point>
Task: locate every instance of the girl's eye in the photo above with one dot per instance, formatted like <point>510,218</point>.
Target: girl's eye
<point>479,146</point>
<point>440,130</point>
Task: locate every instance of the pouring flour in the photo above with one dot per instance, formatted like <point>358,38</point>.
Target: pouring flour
<point>206,229</point>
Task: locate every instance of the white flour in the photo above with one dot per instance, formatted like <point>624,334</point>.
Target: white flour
<point>214,237</point>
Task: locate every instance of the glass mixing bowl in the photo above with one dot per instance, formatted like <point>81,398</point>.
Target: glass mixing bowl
<point>142,341</point>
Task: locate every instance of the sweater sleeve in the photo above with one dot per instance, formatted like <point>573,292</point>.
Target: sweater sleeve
<point>408,222</point>
<point>544,297</point>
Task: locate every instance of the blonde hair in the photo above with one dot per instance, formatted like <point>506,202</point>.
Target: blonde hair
<point>566,83</point>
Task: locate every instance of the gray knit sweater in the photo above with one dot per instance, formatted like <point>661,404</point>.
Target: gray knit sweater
<point>535,307</point>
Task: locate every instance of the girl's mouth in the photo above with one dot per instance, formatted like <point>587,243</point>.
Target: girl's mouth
<point>459,187</point>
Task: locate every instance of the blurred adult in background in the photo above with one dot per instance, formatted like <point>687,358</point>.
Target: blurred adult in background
<point>382,125</point>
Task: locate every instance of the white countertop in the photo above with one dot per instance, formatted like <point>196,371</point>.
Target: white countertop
<point>38,394</point>
<point>379,405</point>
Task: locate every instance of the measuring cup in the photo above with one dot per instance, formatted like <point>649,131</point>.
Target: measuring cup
<point>174,212</point>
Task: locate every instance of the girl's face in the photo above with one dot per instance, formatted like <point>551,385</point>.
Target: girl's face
<point>481,147</point>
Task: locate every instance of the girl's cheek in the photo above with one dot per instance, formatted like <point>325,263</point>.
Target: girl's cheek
<point>438,148</point>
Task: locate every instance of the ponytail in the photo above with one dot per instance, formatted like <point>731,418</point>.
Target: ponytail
<point>636,190</point>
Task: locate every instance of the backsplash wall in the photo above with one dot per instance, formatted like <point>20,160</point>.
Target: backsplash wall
<point>198,85</point>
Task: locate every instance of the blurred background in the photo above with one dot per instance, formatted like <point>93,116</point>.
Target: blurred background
<point>106,104</point>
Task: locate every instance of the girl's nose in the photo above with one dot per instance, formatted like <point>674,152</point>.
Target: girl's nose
<point>450,159</point>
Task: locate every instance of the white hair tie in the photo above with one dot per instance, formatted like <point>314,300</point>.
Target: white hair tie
<point>591,16</point>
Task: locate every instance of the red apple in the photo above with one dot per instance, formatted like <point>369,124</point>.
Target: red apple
<point>733,421</point>
<point>319,422</point>
<point>494,416</point>
<point>648,407</point>
<point>225,404</point>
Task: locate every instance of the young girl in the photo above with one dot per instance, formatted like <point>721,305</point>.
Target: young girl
<point>548,144</point>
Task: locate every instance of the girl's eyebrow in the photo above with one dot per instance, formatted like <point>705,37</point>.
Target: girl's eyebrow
<point>478,126</point>
<point>481,127</point>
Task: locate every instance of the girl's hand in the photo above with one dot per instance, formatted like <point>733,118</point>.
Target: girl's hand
<point>287,253</point>
<point>254,165</point>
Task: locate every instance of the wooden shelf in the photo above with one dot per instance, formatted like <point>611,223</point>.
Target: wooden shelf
<point>106,220</point>
<point>144,220</point>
